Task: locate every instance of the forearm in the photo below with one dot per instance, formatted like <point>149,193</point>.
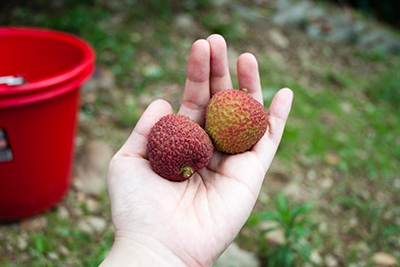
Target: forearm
<point>125,252</point>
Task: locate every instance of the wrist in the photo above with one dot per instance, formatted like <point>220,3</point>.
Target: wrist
<point>138,251</point>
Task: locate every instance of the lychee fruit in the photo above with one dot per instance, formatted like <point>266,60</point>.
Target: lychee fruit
<point>177,147</point>
<point>235,121</point>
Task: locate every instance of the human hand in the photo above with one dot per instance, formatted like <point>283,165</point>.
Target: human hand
<point>160,223</point>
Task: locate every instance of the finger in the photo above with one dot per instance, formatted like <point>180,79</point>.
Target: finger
<point>248,75</point>
<point>197,87</point>
<point>220,79</point>
<point>136,145</point>
<point>278,113</point>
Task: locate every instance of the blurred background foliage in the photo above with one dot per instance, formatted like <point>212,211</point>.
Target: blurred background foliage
<point>388,10</point>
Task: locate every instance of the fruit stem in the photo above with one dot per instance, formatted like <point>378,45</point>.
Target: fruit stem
<point>244,90</point>
<point>186,172</point>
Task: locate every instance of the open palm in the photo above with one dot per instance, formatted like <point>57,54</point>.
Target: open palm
<point>159,222</point>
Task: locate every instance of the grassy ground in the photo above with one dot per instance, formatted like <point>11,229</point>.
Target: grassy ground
<point>340,151</point>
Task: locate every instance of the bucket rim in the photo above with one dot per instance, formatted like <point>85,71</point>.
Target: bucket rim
<point>27,99</point>
<point>59,78</point>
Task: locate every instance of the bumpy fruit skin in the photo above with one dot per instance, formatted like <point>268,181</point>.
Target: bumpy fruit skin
<point>177,147</point>
<point>235,121</point>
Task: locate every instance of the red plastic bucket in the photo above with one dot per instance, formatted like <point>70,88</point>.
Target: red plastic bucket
<point>38,119</point>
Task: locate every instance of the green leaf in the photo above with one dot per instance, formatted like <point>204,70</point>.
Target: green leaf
<point>255,218</point>
<point>281,205</point>
<point>270,230</point>
<point>267,216</point>
<point>39,243</point>
<point>302,232</point>
<point>393,229</point>
<point>301,210</point>
<point>285,257</point>
<point>304,251</point>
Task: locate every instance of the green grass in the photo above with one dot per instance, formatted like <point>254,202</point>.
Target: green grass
<point>42,246</point>
<point>357,130</point>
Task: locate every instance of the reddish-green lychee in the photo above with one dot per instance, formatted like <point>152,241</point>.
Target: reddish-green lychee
<point>235,121</point>
<point>177,147</point>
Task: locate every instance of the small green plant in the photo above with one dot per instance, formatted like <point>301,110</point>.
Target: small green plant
<point>293,220</point>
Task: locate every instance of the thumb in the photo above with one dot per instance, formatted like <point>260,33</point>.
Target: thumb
<point>278,113</point>
<point>136,145</point>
